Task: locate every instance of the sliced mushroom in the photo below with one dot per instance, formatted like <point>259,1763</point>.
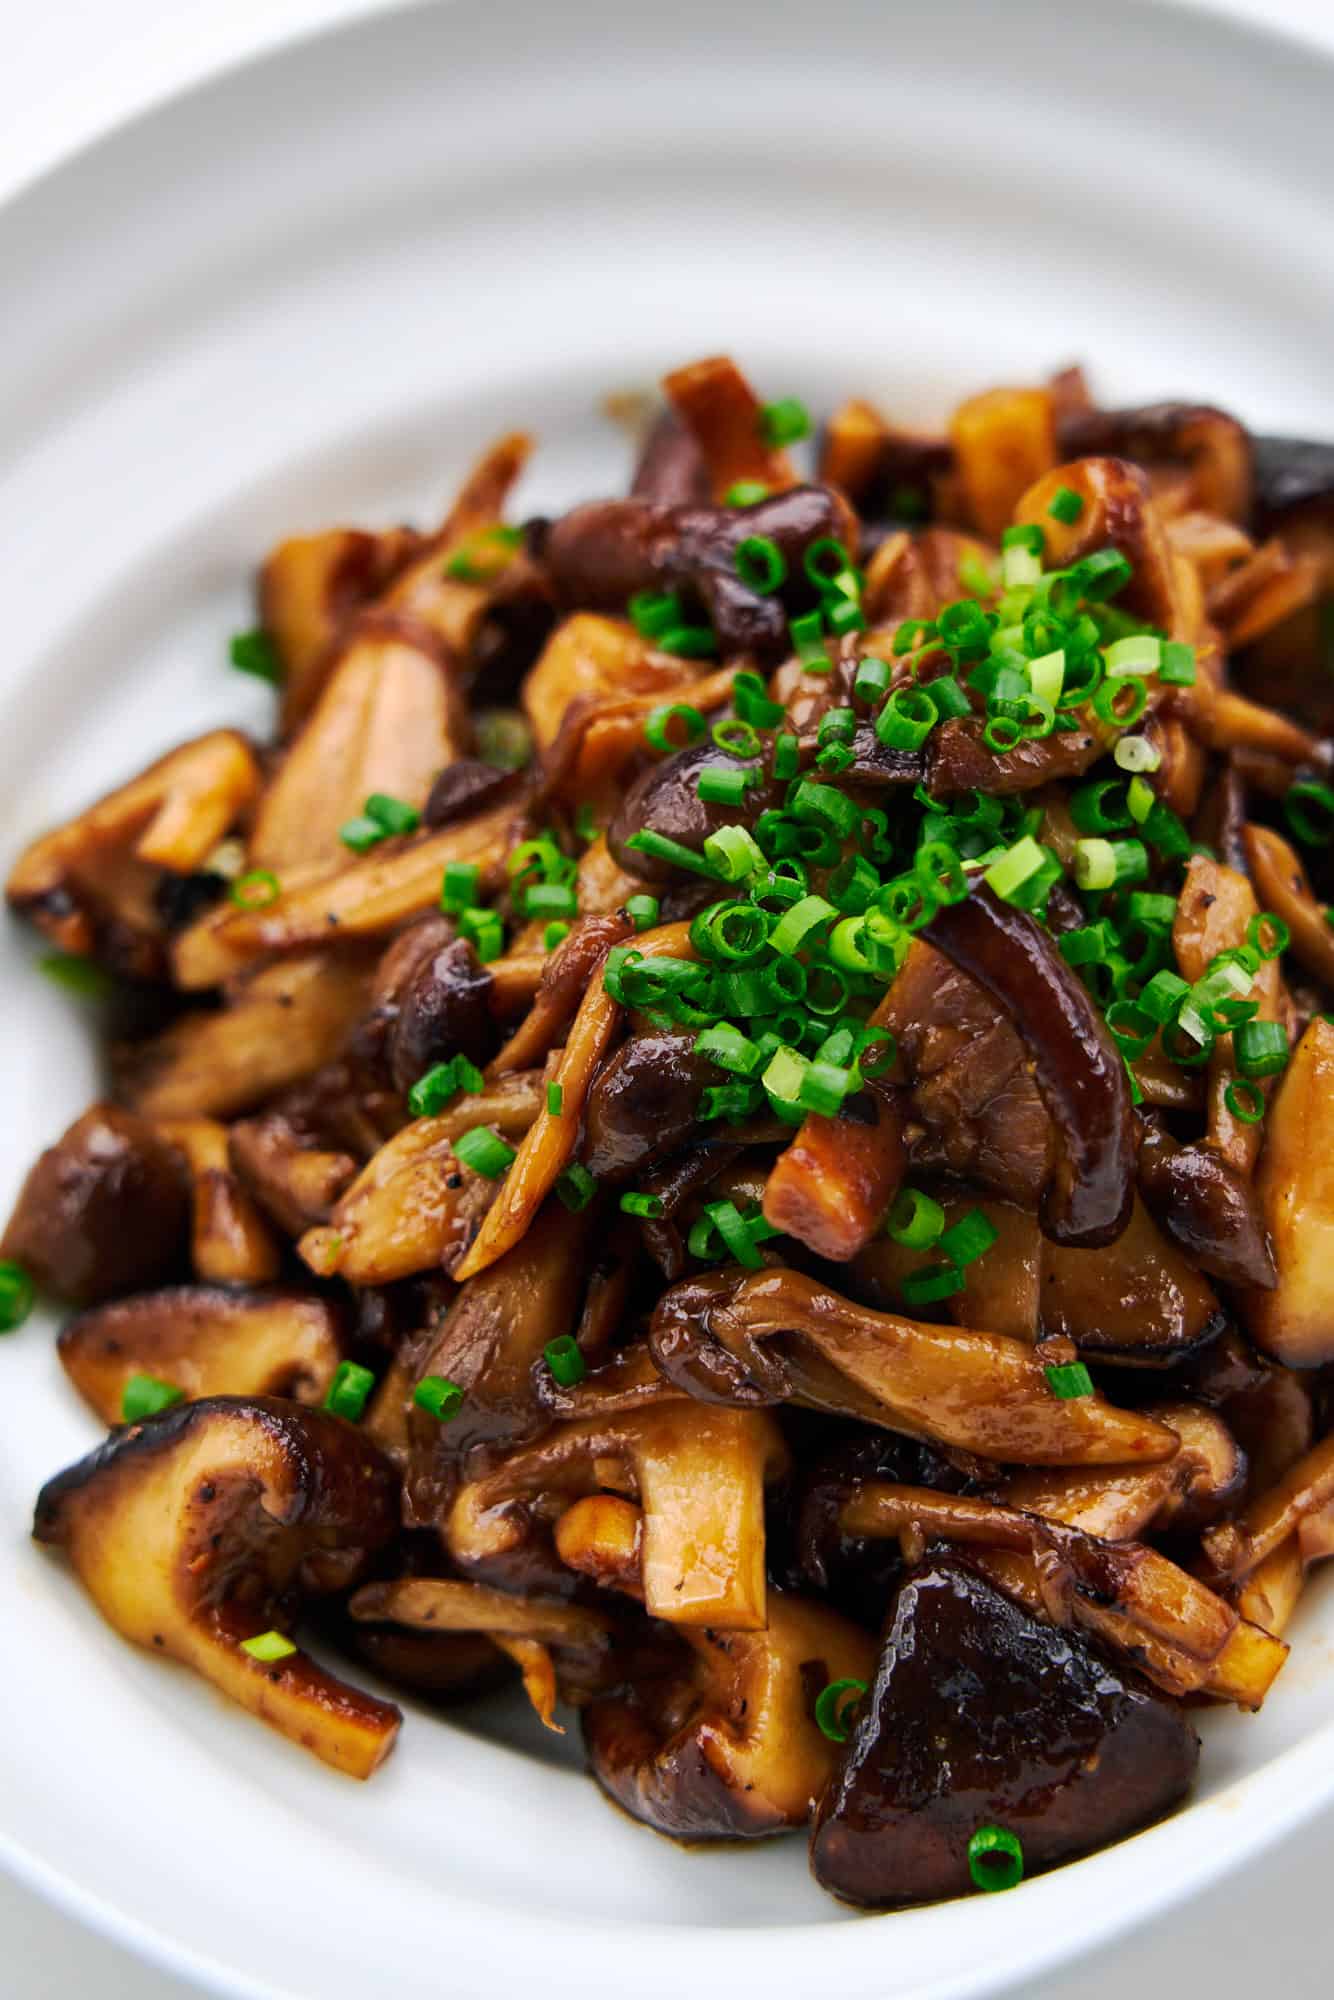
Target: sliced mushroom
<point>567,973</point>
<point>292,1177</point>
<point>397,880</point>
<point>230,1242</point>
<point>205,1340</point>
<point>309,586</point>
<point>1171,1626</point>
<point>1283,886</point>
<point>431,999</point>
<point>208,1526</point>
<point>980,1714</point>
<point>389,715</point>
<point>1211,448</point>
<point>733,1338</point>
<point>1118,512</point>
<point>644,1104</point>
<point>556,1646</point>
<point>1076,1065</point>
<point>670,467</point>
<point>887,471</point>
<point>104,1210</point>
<point>90,885</point>
<point>1234,1548</point>
<point>727,1747</point>
<point>1002,1291</point>
<point>1295,1321</point>
<point>699,1476</point>
<point>831,1187</point>
<point>589,656</point>
<point>722,413</point>
<point>1004,440</point>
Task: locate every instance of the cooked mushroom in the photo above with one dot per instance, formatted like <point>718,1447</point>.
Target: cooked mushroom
<point>699,1476</point>
<point>206,1527</point>
<point>832,1186</point>
<point>980,1714</point>
<point>90,885</point>
<point>104,1210</point>
<point>1208,446</point>
<point>741,1339</point>
<point>1075,1062</point>
<point>727,1746</point>
<point>722,413</point>
<point>205,1340</point>
<point>230,1242</point>
<point>1004,441</point>
<point>309,587</point>
<point>1295,1183</point>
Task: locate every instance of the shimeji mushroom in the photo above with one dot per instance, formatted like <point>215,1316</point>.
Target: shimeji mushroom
<point>199,1532</point>
<point>1295,1182</point>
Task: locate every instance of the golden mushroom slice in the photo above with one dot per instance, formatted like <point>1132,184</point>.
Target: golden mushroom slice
<point>230,1241</point>
<point>205,1340</point>
<point>278,1026</point>
<point>728,1747</point>
<point>199,1533</point>
<point>1295,1182</point>
<point>90,884</point>
<point>309,586</point>
<point>699,1476</point>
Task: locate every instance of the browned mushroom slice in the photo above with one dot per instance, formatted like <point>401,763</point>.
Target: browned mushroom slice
<point>309,586</point>
<point>1170,1625</point>
<point>979,1714</point>
<point>1306,1490</point>
<point>205,1340</point>
<point>398,879</point>
<point>729,1337</point>
<point>230,1242</point>
<point>90,885</point>
<point>566,974</point>
<point>413,1207</point>
<point>1207,1476</point>
<point>1295,1183</point>
<point>727,1747</point>
<point>294,1178</point>
<point>592,656</point>
<point>1283,886</point>
<point>699,1475</point>
<point>207,1526</point>
<point>389,715</point>
<point>886,470</point>
<point>723,415</point>
<point>104,1210</point>
<point>452,578</point>
<point>1004,440</point>
<point>277,1026</point>
<point>431,999</point>
<point>1210,447</point>
<point>670,467</point>
<point>1001,1291</point>
<point>555,1646</point>
<point>1118,512</point>
<point>831,1186</point>
<point>549,1143</point>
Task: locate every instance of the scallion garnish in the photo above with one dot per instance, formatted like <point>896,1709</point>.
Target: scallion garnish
<point>349,1391</point>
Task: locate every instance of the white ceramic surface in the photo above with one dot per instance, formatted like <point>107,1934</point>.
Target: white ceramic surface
<point>309,292</point>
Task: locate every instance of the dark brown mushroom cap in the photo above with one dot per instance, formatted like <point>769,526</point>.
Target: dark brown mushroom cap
<point>665,799</point>
<point>981,1716</point>
<point>1207,1206</point>
<point>1290,473</point>
<point>644,1104</point>
<point>105,1210</point>
<point>465,786</point>
<point>1076,1065</point>
<point>599,555</point>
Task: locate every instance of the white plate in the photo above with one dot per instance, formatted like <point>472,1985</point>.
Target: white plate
<point>310,291</point>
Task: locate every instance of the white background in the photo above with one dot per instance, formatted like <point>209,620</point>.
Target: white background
<point>70,70</point>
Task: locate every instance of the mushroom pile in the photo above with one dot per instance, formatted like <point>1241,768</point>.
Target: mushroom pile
<point>734,1122</point>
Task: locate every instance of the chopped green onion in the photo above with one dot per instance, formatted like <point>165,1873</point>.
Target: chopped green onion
<point>484,932</point>
<point>907,719</point>
<point>934,1281</point>
<point>76,974</point>
<point>643,911</point>
<point>725,786</point>
<point>360,834</point>
<point>483,1151</point>
<point>1025,535</point>
<point>431,1092</point>
<point>1261,1047</point>
<point>825,805</point>
<point>1095,864</point>
<point>1121,703</point>
<point>1162,997</point>
<point>732,854</point>
<point>1139,654</point>
<point>144,1395</point>
<point>1136,753</point>
<point>1245,1100</point>
<point>946,697</point>
<point>995,1859</point>
<point>349,1391</point>
<point>784,422</point>
<point>257,890</point>
<point>255,653</point>
<point>872,679</point>
<point>394,815</point>
<point>1065,505</point>
<point>736,738</point>
<point>761,564</point>
<point>1015,867</point>
<point>653,612</point>
<point>1019,567</point>
<point>548,899</point>
<point>564,1357</point>
<point>1001,734</point>
<point>807,636</point>
<point>834,1706</point>
<point>745,493</point>
<point>739,1235</point>
<point>555,1099</point>
<point>439,1397</point>
<point>649,1206</point>
<point>677,716</point>
<point>1069,1381</point>
<point>576,1187</point>
<point>915,1220</point>
<point>1268,935</point>
<point>752,702</point>
<point>16,1295</point>
<point>1176,667</point>
<point>659,848</point>
<point>459,888</point>
<point>557,933</point>
<point>268,1647</point>
<point>1047,675</point>
<point>968,1239</point>
<point>793,929</point>
<point>728,1047</point>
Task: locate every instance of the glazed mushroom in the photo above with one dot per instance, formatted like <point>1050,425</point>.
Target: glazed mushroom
<point>1295,1321</point>
<point>204,1340</point>
<point>230,1241</point>
<point>104,1210</point>
<point>208,1527</point>
<point>980,1714</point>
<point>727,1747</point>
<point>748,1340</point>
